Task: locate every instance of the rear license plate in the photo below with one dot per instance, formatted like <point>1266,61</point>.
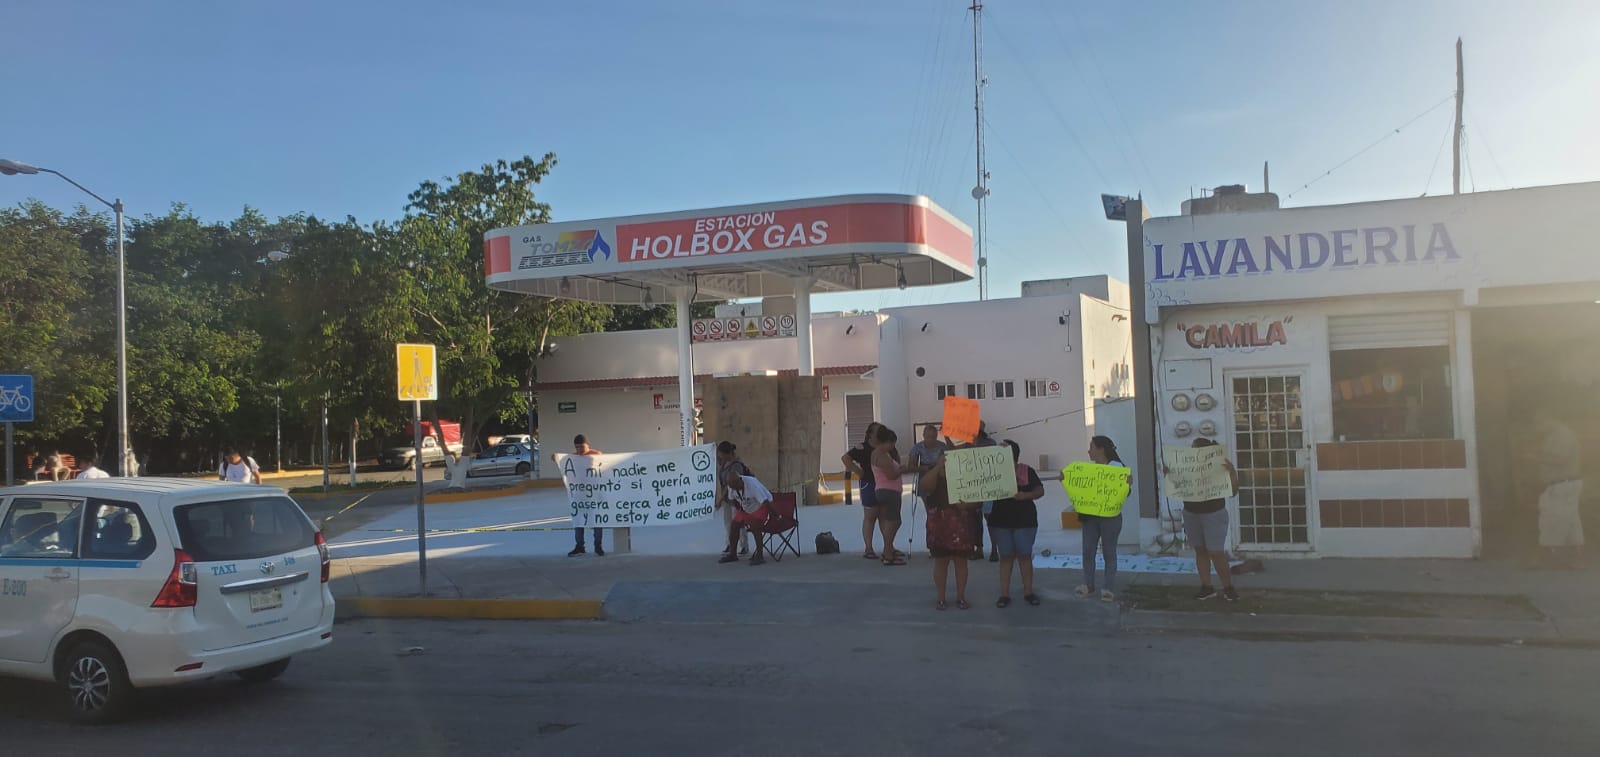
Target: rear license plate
<point>266,599</point>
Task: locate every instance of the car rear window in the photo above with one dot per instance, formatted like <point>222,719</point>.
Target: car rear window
<point>243,529</point>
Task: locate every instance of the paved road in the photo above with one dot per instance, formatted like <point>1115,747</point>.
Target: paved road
<point>905,688</point>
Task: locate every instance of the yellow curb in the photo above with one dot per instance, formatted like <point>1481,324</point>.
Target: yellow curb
<point>470,609</point>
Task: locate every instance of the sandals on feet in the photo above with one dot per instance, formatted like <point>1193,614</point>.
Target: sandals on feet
<point>896,560</point>
<point>940,605</point>
<point>1003,602</point>
<point>871,555</point>
<point>962,603</point>
<point>1032,599</point>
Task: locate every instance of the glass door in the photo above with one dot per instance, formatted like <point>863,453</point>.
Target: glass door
<point>1272,448</point>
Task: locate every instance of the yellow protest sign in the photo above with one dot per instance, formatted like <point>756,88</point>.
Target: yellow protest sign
<point>980,474</point>
<point>1096,489</point>
<point>1195,473</point>
<point>417,369</point>
<point>960,419</point>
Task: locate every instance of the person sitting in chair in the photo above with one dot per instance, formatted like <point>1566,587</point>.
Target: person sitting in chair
<point>754,509</point>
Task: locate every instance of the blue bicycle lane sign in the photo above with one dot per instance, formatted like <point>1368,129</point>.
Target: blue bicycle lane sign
<point>16,398</point>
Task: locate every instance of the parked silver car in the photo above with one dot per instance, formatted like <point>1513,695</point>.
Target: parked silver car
<point>505,459</point>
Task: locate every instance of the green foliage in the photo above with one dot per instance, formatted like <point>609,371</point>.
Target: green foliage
<point>228,322</point>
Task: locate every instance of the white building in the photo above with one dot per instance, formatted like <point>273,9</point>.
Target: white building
<point>1039,364</point>
<point>1372,366</point>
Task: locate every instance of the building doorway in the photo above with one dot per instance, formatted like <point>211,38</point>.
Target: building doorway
<point>1271,444</point>
<point>1524,357</point>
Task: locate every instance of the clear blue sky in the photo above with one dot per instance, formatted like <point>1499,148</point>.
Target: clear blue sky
<point>342,108</point>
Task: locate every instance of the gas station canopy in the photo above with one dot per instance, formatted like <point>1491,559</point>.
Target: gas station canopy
<point>829,244</point>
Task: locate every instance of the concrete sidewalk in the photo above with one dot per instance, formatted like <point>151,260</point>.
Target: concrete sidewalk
<point>846,588</point>
<point>507,555</point>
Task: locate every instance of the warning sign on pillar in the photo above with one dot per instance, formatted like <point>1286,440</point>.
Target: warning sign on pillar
<point>769,326</point>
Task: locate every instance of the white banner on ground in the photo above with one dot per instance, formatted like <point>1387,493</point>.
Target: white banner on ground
<point>1125,563</point>
<point>657,488</point>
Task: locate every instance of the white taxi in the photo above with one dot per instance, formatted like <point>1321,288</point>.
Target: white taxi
<point>111,585</point>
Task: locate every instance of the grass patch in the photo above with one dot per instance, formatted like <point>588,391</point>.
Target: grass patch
<point>1366,604</point>
<point>337,488</point>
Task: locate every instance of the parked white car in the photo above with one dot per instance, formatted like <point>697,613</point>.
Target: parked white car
<point>112,585</point>
<point>503,459</point>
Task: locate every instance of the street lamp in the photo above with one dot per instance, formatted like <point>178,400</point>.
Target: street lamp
<point>124,450</point>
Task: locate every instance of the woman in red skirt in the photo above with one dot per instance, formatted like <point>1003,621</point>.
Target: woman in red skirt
<point>951,534</point>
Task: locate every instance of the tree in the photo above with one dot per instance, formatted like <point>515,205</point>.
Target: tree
<point>51,326</point>
<point>487,340</point>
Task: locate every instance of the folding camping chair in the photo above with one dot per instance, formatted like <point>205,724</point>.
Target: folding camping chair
<point>782,530</point>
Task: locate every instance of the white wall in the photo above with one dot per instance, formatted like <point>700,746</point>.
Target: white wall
<point>614,420</point>
<point>640,354</point>
<point>1014,340</point>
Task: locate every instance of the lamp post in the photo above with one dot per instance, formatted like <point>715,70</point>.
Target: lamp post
<point>124,449</point>
<point>277,424</point>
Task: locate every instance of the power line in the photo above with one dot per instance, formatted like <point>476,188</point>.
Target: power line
<point>1379,141</point>
<point>1492,158</point>
<point>1044,94</point>
<point>1110,94</point>
<point>923,110</point>
<point>1449,129</point>
<point>1038,190</point>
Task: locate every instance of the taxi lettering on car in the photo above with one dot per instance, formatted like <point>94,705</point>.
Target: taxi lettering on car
<point>108,586</point>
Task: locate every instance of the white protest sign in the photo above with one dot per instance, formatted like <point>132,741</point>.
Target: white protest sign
<point>658,488</point>
<point>980,474</point>
<point>1195,473</point>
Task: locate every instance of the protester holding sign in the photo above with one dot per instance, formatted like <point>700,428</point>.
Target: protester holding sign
<point>1205,526</point>
<point>1100,532</point>
<point>886,474</point>
<point>580,446</point>
<point>980,438</point>
<point>950,534</point>
<point>1013,525</point>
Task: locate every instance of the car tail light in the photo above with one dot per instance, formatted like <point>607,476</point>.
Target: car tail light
<point>322,550</point>
<point>180,590</point>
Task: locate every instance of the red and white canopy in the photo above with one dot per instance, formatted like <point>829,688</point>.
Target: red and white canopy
<point>843,243</point>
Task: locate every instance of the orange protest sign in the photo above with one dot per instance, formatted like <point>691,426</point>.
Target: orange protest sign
<point>960,419</point>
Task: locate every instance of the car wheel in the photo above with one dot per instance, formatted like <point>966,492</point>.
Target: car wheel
<point>523,468</point>
<point>264,673</point>
<point>96,682</point>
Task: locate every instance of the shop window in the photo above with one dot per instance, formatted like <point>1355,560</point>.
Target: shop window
<point>977,391</point>
<point>1392,393</point>
<point>946,390</point>
<point>1004,390</point>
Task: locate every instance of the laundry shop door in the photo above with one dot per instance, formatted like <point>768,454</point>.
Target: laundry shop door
<point>1272,447</point>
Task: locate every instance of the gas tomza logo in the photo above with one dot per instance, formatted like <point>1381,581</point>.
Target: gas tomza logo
<point>569,248</point>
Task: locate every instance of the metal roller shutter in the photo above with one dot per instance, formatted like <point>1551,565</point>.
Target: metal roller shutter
<point>858,415</point>
<point>1373,332</point>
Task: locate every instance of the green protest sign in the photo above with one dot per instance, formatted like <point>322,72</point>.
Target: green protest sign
<point>1096,489</point>
<point>980,474</point>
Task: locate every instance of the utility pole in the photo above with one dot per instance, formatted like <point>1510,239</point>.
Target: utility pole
<point>1455,182</point>
<point>980,192</point>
